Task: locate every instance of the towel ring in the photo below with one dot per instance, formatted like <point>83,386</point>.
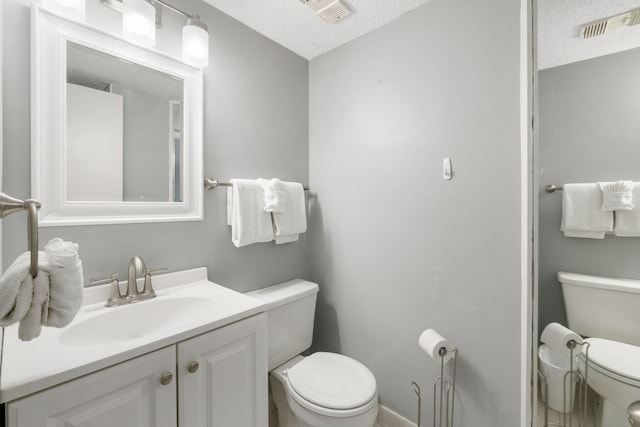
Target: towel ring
<point>9,205</point>
<point>32,234</point>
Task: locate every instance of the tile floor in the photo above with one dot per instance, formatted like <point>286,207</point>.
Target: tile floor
<point>557,419</point>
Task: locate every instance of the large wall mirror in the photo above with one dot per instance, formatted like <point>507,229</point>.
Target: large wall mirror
<point>117,129</point>
<point>589,131</point>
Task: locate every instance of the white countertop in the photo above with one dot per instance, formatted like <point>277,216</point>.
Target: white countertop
<point>28,367</point>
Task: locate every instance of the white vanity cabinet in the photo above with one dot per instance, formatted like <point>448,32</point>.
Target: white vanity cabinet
<point>228,385</point>
<point>129,394</point>
<point>217,379</point>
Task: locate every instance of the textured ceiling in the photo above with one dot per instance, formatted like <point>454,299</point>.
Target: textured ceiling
<point>296,26</point>
<point>559,23</point>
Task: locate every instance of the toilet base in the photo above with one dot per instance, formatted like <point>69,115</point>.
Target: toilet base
<point>613,415</point>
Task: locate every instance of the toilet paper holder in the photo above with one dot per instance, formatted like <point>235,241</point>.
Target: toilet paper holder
<point>572,377</point>
<point>444,390</point>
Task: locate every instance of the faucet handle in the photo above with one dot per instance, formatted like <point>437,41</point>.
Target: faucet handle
<point>114,298</point>
<point>155,270</point>
<point>148,287</point>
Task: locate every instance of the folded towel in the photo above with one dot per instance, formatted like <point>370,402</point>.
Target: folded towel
<point>288,225</point>
<point>616,196</point>
<point>52,298</point>
<point>274,197</point>
<point>582,215</point>
<point>66,282</point>
<point>249,222</point>
<point>628,221</point>
<point>31,324</point>
<point>16,290</point>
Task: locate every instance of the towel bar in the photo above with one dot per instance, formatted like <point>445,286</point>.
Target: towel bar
<point>210,184</point>
<point>552,188</point>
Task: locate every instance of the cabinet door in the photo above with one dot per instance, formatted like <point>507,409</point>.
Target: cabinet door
<point>126,395</point>
<point>229,387</point>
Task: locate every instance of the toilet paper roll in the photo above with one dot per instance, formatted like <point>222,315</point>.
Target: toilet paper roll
<point>431,342</point>
<point>557,336</point>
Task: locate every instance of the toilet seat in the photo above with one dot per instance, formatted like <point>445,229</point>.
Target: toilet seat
<point>332,383</point>
<point>614,359</point>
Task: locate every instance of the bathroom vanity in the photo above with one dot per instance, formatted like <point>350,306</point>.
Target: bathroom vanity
<point>194,355</point>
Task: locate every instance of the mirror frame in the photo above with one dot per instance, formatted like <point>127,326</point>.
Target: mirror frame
<point>50,34</point>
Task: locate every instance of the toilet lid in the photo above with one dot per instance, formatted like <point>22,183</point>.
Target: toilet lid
<point>615,358</point>
<point>332,381</point>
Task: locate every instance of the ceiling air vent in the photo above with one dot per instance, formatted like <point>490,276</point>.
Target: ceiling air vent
<point>329,11</point>
<point>599,28</point>
<point>594,29</point>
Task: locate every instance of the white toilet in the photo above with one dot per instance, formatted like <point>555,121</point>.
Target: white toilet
<point>608,312</point>
<point>319,390</point>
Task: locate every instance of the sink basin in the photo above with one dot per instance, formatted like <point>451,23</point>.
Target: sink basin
<point>132,321</point>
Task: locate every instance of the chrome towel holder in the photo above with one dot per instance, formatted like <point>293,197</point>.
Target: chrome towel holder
<point>552,188</point>
<point>210,184</point>
<point>9,205</point>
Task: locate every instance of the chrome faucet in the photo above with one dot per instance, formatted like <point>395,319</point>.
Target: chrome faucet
<point>136,267</point>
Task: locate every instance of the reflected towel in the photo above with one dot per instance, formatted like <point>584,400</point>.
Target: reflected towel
<point>582,215</point>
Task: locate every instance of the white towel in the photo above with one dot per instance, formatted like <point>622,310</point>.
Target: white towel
<point>628,222</point>
<point>31,324</point>
<point>616,196</point>
<point>288,225</point>
<point>16,290</point>
<point>52,298</point>
<point>249,222</point>
<point>274,198</point>
<point>65,282</point>
<point>582,215</point>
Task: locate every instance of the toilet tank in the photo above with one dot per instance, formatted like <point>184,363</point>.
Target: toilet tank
<point>291,308</point>
<point>602,307</point>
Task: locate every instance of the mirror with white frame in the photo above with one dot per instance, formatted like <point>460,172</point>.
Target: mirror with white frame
<point>117,128</point>
<point>589,130</point>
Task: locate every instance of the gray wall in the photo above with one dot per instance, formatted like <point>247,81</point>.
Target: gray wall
<point>146,159</point>
<point>589,132</point>
<point>255,125</point>
<point>394,247</point>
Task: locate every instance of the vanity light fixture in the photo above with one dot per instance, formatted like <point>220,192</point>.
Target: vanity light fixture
<point>73,8</point>
<point>139,18</point>
<point>195,42</point>
<point>139,22</point>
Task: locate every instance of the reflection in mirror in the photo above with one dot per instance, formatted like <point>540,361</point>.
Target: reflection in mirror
<point>589,131</point>
<point>124,127</point>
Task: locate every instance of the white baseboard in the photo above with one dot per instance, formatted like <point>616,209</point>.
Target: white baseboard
<point>388,418</point>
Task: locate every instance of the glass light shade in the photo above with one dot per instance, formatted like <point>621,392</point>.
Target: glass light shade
<point>73,8</point>
<point>195,43</point>
<point>139,22</point>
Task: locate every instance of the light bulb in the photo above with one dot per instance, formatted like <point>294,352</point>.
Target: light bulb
<point>195,43</point>
<point>139,22</point>
<point>72,8</point>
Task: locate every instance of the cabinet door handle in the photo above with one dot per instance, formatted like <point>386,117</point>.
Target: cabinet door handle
<point>193,367</point>
<point>166,378</point>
